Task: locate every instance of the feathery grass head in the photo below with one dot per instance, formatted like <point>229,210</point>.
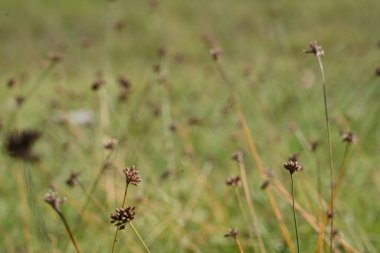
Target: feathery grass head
<point>122,216</point>
<point>132,175</point>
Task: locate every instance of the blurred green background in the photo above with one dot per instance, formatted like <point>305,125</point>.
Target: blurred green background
<point>189,211</point>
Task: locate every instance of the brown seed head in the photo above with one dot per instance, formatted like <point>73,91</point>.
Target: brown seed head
<point>233,181</point>
<point>315,49</point>
<point>73,179</point>
<point>18,144</point>
<point>110,143</point>
<point>377,71</point>
<point>292,166</point>
<point>124,82</point>
<point>97,84</point>
<point>122,216</point>
<point>314,145</point>
<point>264,184</point>
<point>216,53</point>
<point>53,200</point>
<point>55,57</point>
<point>349,137</point>
<point>132,176</point>
<point>232,232</point>
<point>238,156</point>
<point>12,82</point>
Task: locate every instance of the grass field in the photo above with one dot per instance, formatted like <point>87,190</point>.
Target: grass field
<point>81,73</point>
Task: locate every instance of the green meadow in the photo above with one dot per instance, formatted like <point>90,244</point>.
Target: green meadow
<point>176,88</point>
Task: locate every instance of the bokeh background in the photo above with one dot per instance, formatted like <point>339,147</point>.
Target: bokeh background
<point>176,122</point>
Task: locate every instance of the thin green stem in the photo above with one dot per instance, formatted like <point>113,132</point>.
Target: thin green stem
<point>114,240</point>
<point>139,236</point>
<point>69,231</point>
<point>294,214</point>
<point>330,152</point>
<point>117,229</point>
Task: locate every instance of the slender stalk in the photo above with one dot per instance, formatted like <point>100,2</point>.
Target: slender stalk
<point>294,214</point>
<point>139,236</point>
<point>258,162</point>
<point>240,203</point>
<point>241,250</point>
<point>330,151</point>
<point>69,231</point>
<point>249,201</point>
<point>94,185</point>
<point>114,240</point>
<point>117,229</point>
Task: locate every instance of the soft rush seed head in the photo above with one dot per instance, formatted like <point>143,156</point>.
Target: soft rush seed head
<point>238,156</point>
<point>232,232</point>
<point>122,216</point>
<point>315,49</point>
<point>233,181</point>
<point>53,200</point>
<point>216,53</point>
<point>73,179</point>
<point>349,137</point>
<point>292,166</point>
<point>132,175</point>
<point>19,144</point>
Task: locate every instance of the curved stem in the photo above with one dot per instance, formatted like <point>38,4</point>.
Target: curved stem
<point>69,231</point>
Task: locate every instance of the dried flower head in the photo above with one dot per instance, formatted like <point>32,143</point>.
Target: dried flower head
<point>377,71</point>
<point>120,25</point>
<point>292,166</point>
<point>315,49</point>
<point>12,82</point>
<point>314,145</point>
<point>122,216</point>
<point>18,144</point>
<point>232,232</point>
<point>293,157</point>
<point>162,51</point>
<point>52,199</point>
<point>233,181</point>
<point>132,175</point>
<point>110,143</point>
<point>349,137</point>
<point>99,82</point>
<point>238,156</point>
<point>55,57</point>
<point>216,53</point>
<point>124,82</point>
<point>73,179</point>
<point>264,184</point>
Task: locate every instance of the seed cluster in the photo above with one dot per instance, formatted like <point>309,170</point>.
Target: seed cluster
<point>122,216</point>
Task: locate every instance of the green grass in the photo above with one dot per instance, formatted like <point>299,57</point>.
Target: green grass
<point>192,209</point>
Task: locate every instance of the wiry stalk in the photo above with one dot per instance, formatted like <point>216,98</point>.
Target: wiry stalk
<point>140,238</point>
<point>257,159</point>
<point>294,215</point>
<point>67,227</point>
<point>330,151</point>
<point>241,250</point>
<point>117,229</point>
